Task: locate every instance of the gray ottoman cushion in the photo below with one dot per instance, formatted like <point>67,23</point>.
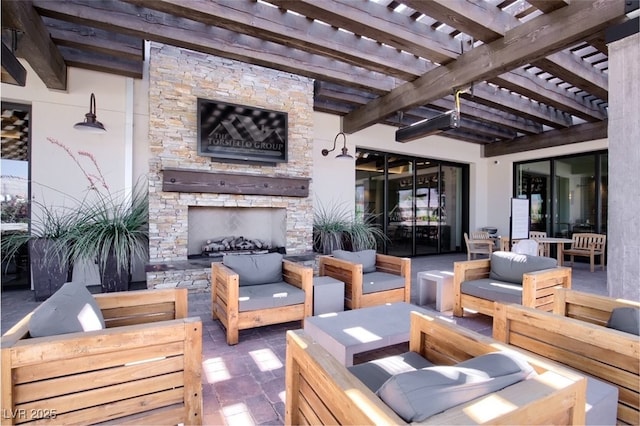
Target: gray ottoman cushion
<point>255,269</point>
<point>380,281</point>
<point>366,258</point>
<point>489,289</point>
<point>625,319</point>
<point>418,395</point>
<point>508,266</point>
<point>374,373</point>
<point>271,295</point>
<point>69,310</point>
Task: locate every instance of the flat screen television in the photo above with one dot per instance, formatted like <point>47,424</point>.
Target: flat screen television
<point>239,133</point>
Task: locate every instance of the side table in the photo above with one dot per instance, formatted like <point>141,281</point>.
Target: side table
<point>328,295</point>
<point>436,286</point>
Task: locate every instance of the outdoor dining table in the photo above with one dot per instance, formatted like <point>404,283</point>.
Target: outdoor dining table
<point>560,242</point>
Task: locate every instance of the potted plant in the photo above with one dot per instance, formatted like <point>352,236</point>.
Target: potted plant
<point>335,229</point>
<point>364,233</point>
<point>330,225</point>
<point>112,230</point>
<point>48,254</point>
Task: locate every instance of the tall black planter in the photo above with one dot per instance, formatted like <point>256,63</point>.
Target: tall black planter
<point>48,272</point>
<point>111,279</point>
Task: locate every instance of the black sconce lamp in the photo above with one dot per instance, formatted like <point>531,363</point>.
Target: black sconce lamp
<point>90,123</point>
<point>345,152</point>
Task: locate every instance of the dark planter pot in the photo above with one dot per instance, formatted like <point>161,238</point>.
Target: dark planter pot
<point>48,273</point>
<point>326,243</point>
<point>111,279</point>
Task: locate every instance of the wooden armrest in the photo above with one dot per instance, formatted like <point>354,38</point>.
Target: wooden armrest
<point>393,264</point>
<point>550,273</point>
<point>119,301</point>
<point>339,269</point>
<point>224,271</point>
<point>298,275</point>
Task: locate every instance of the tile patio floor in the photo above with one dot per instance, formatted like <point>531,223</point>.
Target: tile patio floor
<point>244,384</point>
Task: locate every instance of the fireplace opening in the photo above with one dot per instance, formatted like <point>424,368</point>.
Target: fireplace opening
<point>215,231</point>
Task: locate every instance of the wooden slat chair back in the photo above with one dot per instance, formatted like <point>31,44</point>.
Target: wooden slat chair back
<point>475,246</point>
<point>480,235</point>
<point>588,245</point>
<point>543,249</point>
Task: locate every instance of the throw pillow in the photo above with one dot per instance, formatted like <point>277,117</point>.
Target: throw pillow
<point>509,267</point>
<point>367,258</point>
<point>255,269</point>
<point>625,319</point>
<point>418,395</point>
<point>71,309</point>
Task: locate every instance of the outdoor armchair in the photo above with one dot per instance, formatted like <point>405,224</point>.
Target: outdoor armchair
<point>369,278</point>
<point>250,291</point>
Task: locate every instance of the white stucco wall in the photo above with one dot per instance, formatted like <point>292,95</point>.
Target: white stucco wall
<point>55,177</point>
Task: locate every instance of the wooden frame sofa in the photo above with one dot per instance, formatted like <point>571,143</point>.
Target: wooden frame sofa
<point>320,390</point>
<point>386,279</point>
<point>575,335</point>
<point>508,283</point>
<point>143,368</point>
<point>256,290</point>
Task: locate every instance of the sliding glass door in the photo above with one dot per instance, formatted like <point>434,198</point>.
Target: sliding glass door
<point>567,194</point>
<point>417,202</point>
<point>15,189</point>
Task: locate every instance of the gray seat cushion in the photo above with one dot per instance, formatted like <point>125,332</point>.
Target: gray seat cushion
<point>366,258</point>
<point>490,289</point>
<point>508,266</point>
<point>271,295</point>
<point>374,373</point>
<point>380,281</point>
<point>71,309</point>
<point>255,269</point>
<point>418,395</point>
<point>625,319</point>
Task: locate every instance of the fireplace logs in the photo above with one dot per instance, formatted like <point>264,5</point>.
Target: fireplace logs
<point>232,244</point>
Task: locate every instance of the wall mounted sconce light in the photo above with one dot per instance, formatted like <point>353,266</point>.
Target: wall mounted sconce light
<point>90,123</point>
<point>345,152</point>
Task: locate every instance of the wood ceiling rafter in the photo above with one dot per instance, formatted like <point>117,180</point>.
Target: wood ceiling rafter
<point>525,42</point>
<point>370,58</point>
<point>34,43</point>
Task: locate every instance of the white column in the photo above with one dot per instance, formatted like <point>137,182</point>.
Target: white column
<point>623,234</point>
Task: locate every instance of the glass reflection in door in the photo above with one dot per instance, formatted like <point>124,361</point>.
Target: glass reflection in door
<point>401,206</point>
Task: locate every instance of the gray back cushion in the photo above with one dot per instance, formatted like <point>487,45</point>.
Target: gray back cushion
<point>508,266</point>
<point>367,258</point>
<point>255,269</point>
<point>71,309</point>
<point>625,319</point>
<point>418,395</point>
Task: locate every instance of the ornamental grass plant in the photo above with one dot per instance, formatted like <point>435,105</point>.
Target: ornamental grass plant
<point>106,228</point>
<point>111,230</point>
<point>335,228</point>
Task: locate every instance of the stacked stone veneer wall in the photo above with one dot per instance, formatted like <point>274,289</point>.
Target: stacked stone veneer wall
<point>177,78</point>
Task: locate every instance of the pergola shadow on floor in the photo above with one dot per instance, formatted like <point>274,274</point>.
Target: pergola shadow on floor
<point>244,384</point>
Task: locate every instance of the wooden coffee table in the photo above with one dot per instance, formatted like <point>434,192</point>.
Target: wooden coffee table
<point>344,334</point>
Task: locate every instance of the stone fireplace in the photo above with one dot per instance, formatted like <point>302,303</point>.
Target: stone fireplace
<point>186,212</point>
